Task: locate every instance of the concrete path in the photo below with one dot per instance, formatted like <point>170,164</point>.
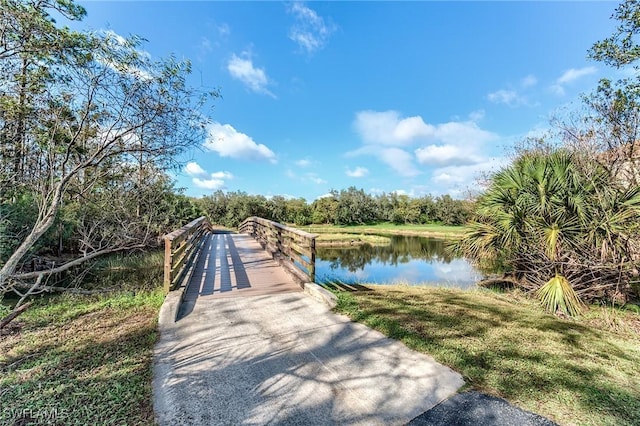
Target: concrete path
<point>284,358</point>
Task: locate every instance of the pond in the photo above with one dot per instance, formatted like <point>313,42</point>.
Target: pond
<point>406,260</point>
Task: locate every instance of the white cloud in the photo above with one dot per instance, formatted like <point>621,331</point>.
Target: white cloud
<point>386,135</point>
<point>202,179</point>
<point>444,177</point>
<point>308,177</point>
<point>529,81</point>
<point>211,184</point>
<point>222,175</point>
<point>538,131</point>
<point>303,163</point>
<point>513,97</point>
<point>205,45</point>
<point>315,179</point>
<point>358,172</point>
<point>507,97</point>
<point>574,74</point>
<point>310,31</point>
<point>476,116</point>
<point>462,133</point>
<point>327,195</point>
<point>452,178</point>
<point>285,196</point>
<point>126,136</point>
<point>442,155</point>
<point>420,190</point>
<point>387,128</point>
<point>224,30</point>
<point>228,142</point>
<point>570,76</point>
<point>399,160</point>
<point>193,169</point>
<point>255,79</point>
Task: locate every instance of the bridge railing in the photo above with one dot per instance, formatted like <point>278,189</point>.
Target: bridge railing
<point>180,247</point>
<point>298,248</point>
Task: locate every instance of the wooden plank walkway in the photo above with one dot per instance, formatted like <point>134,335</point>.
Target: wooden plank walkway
<point>231,265</point>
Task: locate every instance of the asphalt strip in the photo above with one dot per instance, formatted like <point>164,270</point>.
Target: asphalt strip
<point>478,409</point>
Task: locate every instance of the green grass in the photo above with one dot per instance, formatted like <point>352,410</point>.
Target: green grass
<point>429,230</point>
<point>130,271</point>
<point>331,239</point>
<point>81,360</point>
<point>583,372</point>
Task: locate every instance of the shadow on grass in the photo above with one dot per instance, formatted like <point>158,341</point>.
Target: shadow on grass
<point>91,370</point>
<point>560,368</point>
<point>345,286</point>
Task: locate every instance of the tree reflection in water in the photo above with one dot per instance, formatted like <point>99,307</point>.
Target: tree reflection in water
<point>412,260</point>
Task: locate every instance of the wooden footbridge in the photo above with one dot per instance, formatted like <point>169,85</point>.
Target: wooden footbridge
<point>266,257</point>
<point>279,357</point>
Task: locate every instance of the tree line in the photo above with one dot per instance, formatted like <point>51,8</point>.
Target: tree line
<point>349,206</point>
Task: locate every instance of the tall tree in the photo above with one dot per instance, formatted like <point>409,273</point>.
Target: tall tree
<point>609,129</point>
<point>103,104</point>
<point>621,48</point>
<point>30,47</point>
<point>355,207</point>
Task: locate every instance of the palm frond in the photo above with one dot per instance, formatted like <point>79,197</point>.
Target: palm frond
<point>558,295</point>
<point>552,235</point>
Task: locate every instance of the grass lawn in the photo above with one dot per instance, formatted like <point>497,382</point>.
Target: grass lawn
<point>430,230</point>
<point>80,360</point>
<point>575,372</point>
<point>330,239</point>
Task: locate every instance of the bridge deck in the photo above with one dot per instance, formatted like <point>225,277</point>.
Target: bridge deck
<point>282,359</point>
<point>234,265</point>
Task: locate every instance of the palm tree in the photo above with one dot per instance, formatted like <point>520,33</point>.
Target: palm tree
<point>546,220</point>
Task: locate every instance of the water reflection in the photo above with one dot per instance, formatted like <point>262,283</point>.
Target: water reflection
<point>410,260</point>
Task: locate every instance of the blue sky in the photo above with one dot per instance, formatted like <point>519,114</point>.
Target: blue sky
<point>413,97</point>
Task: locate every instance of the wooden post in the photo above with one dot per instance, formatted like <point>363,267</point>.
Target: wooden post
<point>280,243</point>
<point>312,270</point>
<point>167,265</point>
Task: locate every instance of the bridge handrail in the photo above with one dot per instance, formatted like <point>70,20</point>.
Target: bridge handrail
<point>290,244</point>
<point>180,246</point>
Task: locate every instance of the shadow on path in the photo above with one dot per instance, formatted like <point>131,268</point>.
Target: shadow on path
<point>230,264</point>
<point>286,359</point>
